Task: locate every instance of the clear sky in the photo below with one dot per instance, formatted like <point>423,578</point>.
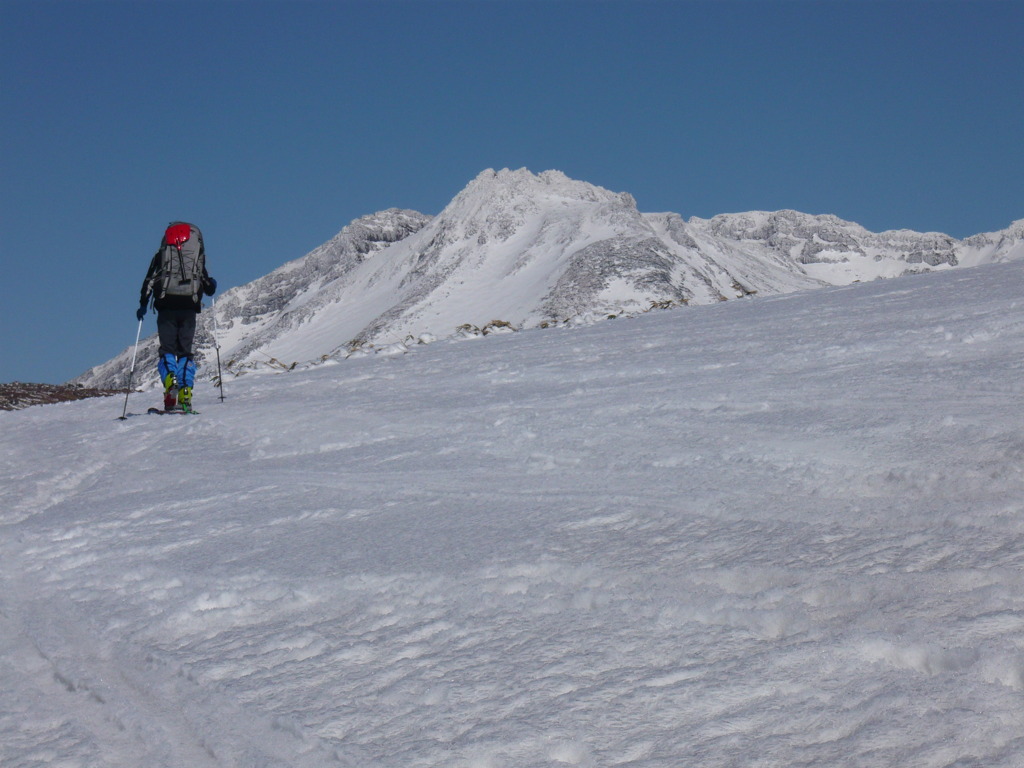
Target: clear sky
<point>271,125</point>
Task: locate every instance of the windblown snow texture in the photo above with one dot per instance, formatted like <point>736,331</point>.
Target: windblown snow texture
<point>537,250</point>
<point>781,532</point>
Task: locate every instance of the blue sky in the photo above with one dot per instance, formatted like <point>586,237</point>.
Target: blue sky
<point>273,124</point>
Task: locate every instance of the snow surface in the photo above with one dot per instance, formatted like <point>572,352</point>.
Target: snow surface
<point>783,531</point>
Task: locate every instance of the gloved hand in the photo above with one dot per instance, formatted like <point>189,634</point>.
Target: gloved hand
<point>141,313</point>
<point>211,286</point>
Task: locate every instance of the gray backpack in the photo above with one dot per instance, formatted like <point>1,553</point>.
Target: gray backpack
<point>182,261</point>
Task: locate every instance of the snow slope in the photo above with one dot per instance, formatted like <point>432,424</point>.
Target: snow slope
<point>780,532</point>
<point>532,250</point>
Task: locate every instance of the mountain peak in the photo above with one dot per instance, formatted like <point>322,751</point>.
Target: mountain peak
<point>531,250</point>
<point>550,183</point>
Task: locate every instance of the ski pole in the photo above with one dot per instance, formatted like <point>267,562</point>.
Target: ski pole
<point>216,346</point>
<point>131,373</point>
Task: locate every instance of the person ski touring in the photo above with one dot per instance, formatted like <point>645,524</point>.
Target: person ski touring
<point>177,279</point>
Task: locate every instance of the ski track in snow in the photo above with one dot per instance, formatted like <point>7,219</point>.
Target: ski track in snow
<point>779,532</point>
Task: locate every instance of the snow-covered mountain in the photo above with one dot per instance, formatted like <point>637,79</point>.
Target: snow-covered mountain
<point>518,250</point>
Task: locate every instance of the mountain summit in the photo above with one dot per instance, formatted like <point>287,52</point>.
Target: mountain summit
<point>519,250</point>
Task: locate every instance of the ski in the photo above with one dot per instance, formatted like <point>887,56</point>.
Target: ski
<point>162,412</point>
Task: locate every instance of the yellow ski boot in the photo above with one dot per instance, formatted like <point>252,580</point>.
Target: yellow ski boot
<point>170,392</point>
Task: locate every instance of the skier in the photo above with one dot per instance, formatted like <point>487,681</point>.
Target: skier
<point>176,280</point>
